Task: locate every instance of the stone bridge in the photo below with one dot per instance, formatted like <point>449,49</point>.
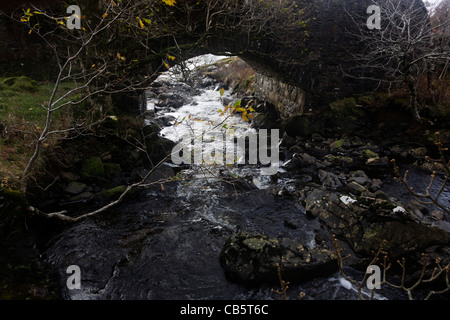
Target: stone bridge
<point>296,77</point>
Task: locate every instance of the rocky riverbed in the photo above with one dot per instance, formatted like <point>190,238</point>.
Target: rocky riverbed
<point>224,235</point>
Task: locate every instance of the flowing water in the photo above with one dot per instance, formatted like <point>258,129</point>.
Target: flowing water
<point>165,242</point>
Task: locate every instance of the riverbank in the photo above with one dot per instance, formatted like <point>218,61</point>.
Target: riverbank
<point>188,237</point>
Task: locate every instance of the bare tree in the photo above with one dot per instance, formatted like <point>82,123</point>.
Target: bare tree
<point>405,47</point>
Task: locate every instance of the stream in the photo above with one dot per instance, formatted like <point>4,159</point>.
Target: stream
<point>165,243</point>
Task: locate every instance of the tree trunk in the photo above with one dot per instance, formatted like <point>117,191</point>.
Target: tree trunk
<point>414,105</point>
<point>413,100</point>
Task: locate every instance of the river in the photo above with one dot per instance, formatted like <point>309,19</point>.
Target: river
<point>165,243</point>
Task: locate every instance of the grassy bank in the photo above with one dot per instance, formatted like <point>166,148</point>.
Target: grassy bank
<point>22,117</point>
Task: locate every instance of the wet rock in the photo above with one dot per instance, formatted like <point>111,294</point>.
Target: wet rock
<point>82,196</point>
<point>252,258</point>
<point>366,223</point>
<point>337,160</point>
<point>418,152</point>
<point>317,200</point>
<point>317,137</point>
<point>338,145</point>
<point>329,179</point>
<point>355,188</point>
<point>75,188</point>
<point>368,154</point>
<point>437,215</point>
<point>359,177</point>
<point>112,193</point>
<point>376,185</point>
<point>69,176</point>
<point>397,151</point>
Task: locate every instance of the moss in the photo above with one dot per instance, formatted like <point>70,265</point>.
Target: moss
<point>12,195</point>
<point>369,154</point>
<point>338,160</point>
<point>346,108</point>
<point>93,167</point>
<point>337,144</point>
<point>23,84</point>
<point>371,232</point>
<point>255,243</point>
<point>366,100</point>
<point>112,193</point>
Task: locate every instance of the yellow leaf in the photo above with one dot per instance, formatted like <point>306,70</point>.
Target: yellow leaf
<point>93,65</point>
<point>104,15</point>
<point>169,2</point>
<point>166,64</point>
<point>171,57</point>
<point>31,30</point>
<point>244,117</point>
<point>141,24</point>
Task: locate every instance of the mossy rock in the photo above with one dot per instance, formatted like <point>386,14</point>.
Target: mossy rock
<point>23,84</point>
<point>368,154</point>
<point>252,258</point>
<point>346,108</point>
<point>111,194</point>
<point>336,145</point>
<point>338,160</point>
<point>93,167</point>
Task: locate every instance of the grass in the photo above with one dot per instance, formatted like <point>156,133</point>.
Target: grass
<point>22,99</point>
<point>21,120</point>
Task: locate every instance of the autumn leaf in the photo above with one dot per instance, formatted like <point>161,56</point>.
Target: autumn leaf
<point>147,21</point>
<point>169,2</point>
<point>222,91</point>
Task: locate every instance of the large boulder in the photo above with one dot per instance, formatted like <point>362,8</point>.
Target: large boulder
<point>365,223</point>
<point>253,258</point>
